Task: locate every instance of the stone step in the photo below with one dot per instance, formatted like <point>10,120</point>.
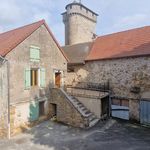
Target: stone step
<point>91,118</point>
<point>93,122</point>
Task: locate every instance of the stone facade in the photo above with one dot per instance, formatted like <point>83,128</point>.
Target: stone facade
<point>3,99</point>
<point>25,102</point>
<point>65,111</point>
<point>80,24</point>
<point>123,75</point>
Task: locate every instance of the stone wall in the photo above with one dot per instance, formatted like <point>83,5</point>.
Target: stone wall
<point>3,100</point>
<point>123,75</point>
<point>51,59</point>
<point>80,25</point>
<point>66,112</point>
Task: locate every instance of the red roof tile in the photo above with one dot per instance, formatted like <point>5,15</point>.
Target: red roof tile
<point>9,40</point>
<point>129,43</point>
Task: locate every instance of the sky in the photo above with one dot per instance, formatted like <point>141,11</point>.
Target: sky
<point>114,15</point>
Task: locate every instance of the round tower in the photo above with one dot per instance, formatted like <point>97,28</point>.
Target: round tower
<point>80,23</point>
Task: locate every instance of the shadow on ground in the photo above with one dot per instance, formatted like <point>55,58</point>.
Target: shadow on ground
<point>106,135</point>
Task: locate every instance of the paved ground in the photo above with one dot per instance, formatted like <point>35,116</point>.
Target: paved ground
<point>110,135</point>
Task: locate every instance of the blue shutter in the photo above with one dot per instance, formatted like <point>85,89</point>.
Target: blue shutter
<point>42,77</point>
<point>34,53</point>
<point>27,78</point>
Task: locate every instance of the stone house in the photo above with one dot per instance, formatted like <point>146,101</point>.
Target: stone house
<point>31,63</point>
<point>117,63</point>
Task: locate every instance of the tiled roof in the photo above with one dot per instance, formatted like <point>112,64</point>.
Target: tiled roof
<point>131,43</point>
<point>78,52</point>
<point>9,40</point>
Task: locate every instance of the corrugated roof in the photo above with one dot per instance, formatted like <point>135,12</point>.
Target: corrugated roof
<point>9,40</point>
<point>131,43</point>
<point>78,52</point>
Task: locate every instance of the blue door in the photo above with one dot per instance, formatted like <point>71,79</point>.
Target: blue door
<point>145,112</point>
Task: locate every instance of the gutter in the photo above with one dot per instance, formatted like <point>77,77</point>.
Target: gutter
<point>8,94</point>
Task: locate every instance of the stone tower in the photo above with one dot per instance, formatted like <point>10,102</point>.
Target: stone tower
<point>80,23</point>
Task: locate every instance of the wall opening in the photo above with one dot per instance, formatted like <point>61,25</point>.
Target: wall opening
<point>53,110</point>
<point>105,107</point>
<point>41,108</point>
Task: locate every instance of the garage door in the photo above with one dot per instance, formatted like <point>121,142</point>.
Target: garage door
<point>145,112</point>
<point>120,109</point>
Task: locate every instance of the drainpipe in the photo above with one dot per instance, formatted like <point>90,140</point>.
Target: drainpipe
<point>8,95</point>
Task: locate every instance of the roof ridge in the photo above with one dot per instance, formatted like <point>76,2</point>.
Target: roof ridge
<point>109,34</point>
<point>41,21</point>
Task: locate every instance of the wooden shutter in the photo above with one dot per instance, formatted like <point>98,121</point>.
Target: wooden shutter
<point>27,78</point>
<point>34,53</point>
<point>42,77</point>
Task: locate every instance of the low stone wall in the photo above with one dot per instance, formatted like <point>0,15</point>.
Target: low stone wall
<point>66,112</point>
<point>90,98</point>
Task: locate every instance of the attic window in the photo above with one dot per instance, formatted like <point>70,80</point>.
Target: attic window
<point>34,53</point>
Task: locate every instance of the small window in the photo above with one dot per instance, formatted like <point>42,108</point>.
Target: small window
<point>34,53</point>
<point>34,77</point>
<point>70,6</point>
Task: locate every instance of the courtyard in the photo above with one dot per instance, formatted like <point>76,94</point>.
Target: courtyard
<point>106,135</point>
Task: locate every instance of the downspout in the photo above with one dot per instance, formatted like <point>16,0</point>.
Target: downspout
<point>8,95</point>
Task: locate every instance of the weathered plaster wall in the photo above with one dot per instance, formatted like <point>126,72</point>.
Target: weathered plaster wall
<point>50,58</point>
<point>122,74</point>
<point>3,99</point>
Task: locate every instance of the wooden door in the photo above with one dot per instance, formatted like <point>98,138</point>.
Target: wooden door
<point>58,80</point>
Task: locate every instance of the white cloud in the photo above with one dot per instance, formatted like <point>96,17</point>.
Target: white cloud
<point>114,15</point>
<point>131,21</point>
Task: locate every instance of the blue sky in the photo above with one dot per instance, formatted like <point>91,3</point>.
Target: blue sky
<point>114,15</point>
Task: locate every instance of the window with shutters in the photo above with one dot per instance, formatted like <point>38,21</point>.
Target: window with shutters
<point>34,77</point>
<point>34,53</point>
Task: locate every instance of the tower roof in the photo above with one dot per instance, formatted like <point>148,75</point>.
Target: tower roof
<point>80,4</point>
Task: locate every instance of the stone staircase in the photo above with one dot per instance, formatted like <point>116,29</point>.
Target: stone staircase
<point>89,117</point>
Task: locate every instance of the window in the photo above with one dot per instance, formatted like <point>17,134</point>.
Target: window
<point>34,77</point>
<point>35,53</point>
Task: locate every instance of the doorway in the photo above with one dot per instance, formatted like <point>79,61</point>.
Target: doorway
<point>105,107</point>
<point>53,110</point>
<point>58,79</point>
<point>41,109</point>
